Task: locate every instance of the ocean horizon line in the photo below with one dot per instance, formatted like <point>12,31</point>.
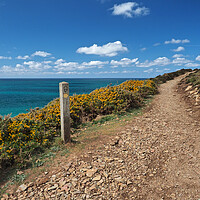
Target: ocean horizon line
<point>71,78</point>
<point>25,93</point>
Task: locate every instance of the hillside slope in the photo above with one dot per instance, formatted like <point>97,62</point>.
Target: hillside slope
<point>156,156</point>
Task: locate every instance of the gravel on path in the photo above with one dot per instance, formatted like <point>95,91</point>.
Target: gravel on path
<point>156,156</point>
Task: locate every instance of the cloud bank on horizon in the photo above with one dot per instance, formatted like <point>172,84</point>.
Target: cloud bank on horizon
<point>111,40</point>
<point>61,66</point>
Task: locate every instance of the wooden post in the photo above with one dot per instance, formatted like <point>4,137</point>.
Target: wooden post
<point>64,111</point>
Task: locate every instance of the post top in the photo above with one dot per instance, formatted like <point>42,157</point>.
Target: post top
<point>63,82</point>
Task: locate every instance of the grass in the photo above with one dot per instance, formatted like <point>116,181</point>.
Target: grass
<point>91,132</point>
<point>99,129</point>
<point>194,78</point>
<point>28,134</point>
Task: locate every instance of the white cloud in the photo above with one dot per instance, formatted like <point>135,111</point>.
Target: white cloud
<point>141,11</point>
<point>148,70</point>
<point>163,61</point>
<point>34,65</point>
<point>18,69</point>
<point>114,66</point>
<point>76,73</point>
<point>124,62</point>
<point>146,63</point>
<point>180,61</point>
<point>107,72</point>
<point>124,9</point>
<point>95,63</point>
<point>47,67</point>
<point>79,73</point>
<point>143,49</point>
<point>59,61</point>
<point>160,61</point>
<point>130,9</point>
<point>37,66</point>
<point>162,70</point>
<point>60,72</point>
<point>156,44</point>
<point>128,72</point>
<point>192,65</point>
<point>179,49</point>
<point>23,57</point>
<point>6,69</point>
<point>62,65</point>
<point>28,67</point>
<point>177,56</point>
<point>185,41</point>
<point>174,41</point>
<point>41,54</point>
<point>110,49</point>
<point>198,58</point>
<point>67,73</point>
<point>47,62</point>
<point>21,68</point>
<point>5,58</point>
<point>67,66</point>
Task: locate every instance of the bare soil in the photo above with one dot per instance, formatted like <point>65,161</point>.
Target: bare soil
<point>154,156</point>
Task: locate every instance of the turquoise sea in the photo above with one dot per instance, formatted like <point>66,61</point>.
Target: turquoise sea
<point>18,95</point>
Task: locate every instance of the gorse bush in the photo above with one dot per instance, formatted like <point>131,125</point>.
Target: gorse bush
<point>20,139</point>
<point>169,76</point>
<point>27,134</point>
<point>103,101</point>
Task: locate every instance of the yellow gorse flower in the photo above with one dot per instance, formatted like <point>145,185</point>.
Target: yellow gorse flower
<point>39,126</point>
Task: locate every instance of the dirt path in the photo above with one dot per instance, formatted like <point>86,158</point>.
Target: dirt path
<point>155,157</point>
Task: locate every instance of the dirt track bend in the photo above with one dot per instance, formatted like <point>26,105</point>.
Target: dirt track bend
<point>155,157</point>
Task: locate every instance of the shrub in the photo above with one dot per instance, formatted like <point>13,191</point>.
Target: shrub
<point>169,76</point>
<point>27,134</point>
<point>20,139</point>
<point>194,78</point>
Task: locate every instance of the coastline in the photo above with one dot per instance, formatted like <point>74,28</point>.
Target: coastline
<point>54,141</point>
<point>23,94</point>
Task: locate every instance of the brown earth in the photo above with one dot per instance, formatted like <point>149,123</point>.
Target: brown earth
<point>155,156</point>
<point>191,95</point>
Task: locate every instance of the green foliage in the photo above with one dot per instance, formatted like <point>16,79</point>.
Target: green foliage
<point>104,119</point>
<point>194,78</point>
<point>169,76</point>
<point>18,178</point>
<point>24,136</point>
<point>21,139</point>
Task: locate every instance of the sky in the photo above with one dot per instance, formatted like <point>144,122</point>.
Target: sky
<point>98,38</point>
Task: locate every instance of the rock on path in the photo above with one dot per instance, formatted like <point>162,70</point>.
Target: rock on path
<point>155,157</point>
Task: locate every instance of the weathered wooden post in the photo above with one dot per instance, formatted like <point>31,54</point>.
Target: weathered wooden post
<point>64,111</point>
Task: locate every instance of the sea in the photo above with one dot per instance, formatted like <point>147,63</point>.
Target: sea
<point>21,95</point>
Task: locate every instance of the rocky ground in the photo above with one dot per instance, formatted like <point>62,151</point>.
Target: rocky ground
<point>156,156</point>
<point>191,95</point>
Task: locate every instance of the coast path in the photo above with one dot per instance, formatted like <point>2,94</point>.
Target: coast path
<point>155,156</point>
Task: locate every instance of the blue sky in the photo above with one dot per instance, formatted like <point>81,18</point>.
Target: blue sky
<point>98,38</point>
